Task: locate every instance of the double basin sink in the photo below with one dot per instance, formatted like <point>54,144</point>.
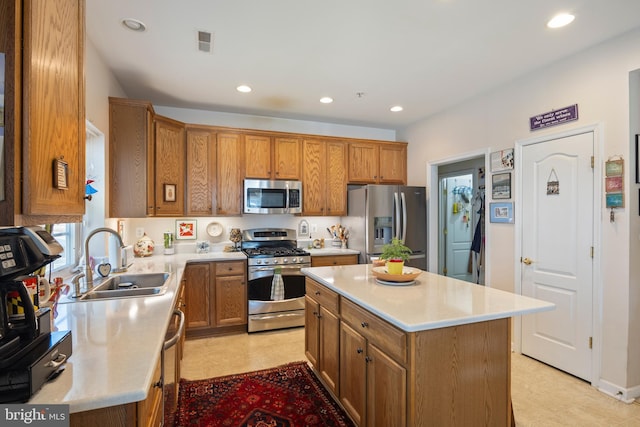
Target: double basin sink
<point>128,285</point>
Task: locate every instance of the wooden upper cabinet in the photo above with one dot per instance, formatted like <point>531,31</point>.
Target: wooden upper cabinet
<point>53,102</point>
<point>272,157</point>
<point>287,154</point>
<point>363,163</point>
<point>170,166</point>
<point>393,163</point>
<point>324,177</point>
<point>131,159</point>
<point>377,163</point>
<point>258,156</point>
<point>229,173</point>
<point>201,171</point>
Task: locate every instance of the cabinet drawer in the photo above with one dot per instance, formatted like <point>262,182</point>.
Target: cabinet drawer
<point>379,332</point>
<point>234,268</point>
<point>323,295</point>
<point>322,261</point>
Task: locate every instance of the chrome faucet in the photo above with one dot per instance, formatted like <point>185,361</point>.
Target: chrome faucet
<point>88,280</point>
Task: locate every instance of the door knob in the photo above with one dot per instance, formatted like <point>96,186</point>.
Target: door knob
<point>526,261</point>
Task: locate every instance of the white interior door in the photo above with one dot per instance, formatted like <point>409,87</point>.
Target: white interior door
<point>557,240</point>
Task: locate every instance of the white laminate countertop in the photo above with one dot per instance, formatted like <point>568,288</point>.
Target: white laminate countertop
<point>433,302</point>
<point>117,343</point>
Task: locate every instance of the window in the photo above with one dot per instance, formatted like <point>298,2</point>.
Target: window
<point>68,235</point>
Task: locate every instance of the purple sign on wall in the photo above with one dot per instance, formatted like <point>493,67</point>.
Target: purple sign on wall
<point>555,117</point>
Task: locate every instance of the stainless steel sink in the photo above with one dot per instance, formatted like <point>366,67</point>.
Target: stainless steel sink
<point>128,285</point>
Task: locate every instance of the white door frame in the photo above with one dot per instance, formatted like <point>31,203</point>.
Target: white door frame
<point>432,209</point>
<point>597,221</point>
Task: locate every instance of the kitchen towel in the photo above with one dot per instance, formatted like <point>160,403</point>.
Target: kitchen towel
<point>277,286</point>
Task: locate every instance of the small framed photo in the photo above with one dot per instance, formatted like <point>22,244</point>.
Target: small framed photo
<point>501,212</point>
<point>169,192</point>
<point>186,229</point>
<point>501,186</point>
<point>502,160</point>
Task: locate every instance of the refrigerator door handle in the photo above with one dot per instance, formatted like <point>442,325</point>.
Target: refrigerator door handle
<point>404,217</point>
<point>396,204</point>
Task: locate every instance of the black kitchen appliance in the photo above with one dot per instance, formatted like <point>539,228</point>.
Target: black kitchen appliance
<point>273,251</point>
<point>30,354</point>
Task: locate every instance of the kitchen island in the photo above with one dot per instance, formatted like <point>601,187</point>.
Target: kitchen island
<point>436,352</point>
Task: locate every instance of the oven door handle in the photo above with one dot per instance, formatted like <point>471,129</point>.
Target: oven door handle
<point>276,316</point>
<point>256,269</point>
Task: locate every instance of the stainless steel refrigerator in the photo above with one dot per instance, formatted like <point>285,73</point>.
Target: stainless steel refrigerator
<point>377,213</point>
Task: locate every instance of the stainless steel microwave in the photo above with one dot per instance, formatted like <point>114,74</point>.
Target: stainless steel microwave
<point>272,197</point>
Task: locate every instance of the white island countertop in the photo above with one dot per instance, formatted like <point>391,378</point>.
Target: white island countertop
<point>117,342</point>
<point>434,301</point>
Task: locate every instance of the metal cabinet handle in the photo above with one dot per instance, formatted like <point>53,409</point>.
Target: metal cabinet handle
<point>368,359</point>
<point>174,339</point>
<point>364,324</point>
<point>526,261</point>
<point>359,351</point>
<point>58,362</point>
<point>317,292</point>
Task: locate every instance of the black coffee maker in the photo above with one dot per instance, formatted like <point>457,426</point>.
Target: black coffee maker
<point>30,353</point>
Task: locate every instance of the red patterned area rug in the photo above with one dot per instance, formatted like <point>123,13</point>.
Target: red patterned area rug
<point>286,396</point>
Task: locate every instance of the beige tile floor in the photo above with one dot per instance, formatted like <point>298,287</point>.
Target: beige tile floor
<point>542,396</point>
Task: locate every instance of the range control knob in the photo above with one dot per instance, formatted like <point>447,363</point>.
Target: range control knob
<point>285,260</point>
<point>259,261</point>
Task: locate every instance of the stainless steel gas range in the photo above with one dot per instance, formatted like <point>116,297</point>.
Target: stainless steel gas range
<point>269,250</point>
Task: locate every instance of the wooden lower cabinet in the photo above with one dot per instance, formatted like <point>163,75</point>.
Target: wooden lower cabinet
<point>450,376</point>
<point>321,340</point>
<point>321,261</point>
<point>146,413</point>
<point>215,298</point>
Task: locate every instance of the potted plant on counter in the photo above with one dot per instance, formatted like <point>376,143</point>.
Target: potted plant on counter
<point>395,254</point>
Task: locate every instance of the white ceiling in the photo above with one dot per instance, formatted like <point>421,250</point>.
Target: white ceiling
<point>426,55</point>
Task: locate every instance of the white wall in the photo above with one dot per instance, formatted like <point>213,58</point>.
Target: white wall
<point>242,121</point>
<point>598,81</point>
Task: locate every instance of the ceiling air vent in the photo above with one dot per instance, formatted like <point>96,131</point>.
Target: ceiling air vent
<point>205,41</point>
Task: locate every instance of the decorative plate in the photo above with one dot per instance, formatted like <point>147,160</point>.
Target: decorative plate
<point>390,283</point>
<point>214,229</point>
<point>408,274</point>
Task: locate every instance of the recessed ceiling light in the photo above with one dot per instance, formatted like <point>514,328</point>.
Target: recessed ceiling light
<point>560,20</point>
<point>134,24</point>
<point>326,100</point>
<point>243,89</point>
<point>396,108</point>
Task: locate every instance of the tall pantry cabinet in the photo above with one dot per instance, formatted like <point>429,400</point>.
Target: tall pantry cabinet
<point>43,180</point>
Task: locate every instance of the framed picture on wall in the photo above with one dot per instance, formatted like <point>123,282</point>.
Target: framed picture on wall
<point>501,186</point>
<point>502,160</point>
<point>501,212</point>
<point>186,229</point>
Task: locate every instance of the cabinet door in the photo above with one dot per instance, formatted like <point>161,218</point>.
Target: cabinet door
<point>313,155</point>
<point>330,349</point>
<point>386,390</point>
<point>198,295</point>
<point>53,107</point>
<point>322,261</point>
<point>131,159</point>
<point>312,331</point>
<point>287,154</point>
<point>231,301</point>
<point>363,162</point>
<point>336,179</point>
<point>229,174</point>
<point>170,167</point>
<point>393,164</point>
<point>353,373</point>
<point>257,151</point>
<point>201,171</point>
